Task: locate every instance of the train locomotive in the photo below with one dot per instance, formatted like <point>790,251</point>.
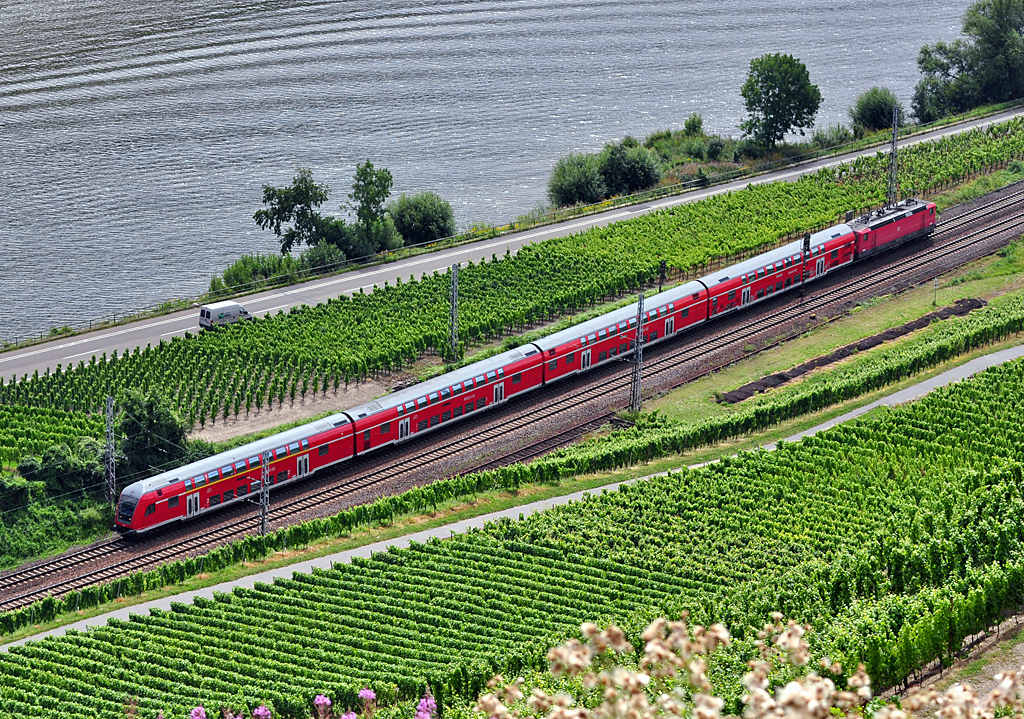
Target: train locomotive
<point>209,484</point>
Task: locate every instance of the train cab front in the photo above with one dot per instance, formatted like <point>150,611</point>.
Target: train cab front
<point>127,505</point>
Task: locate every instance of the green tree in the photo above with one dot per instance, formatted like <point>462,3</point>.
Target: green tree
<point>370,192</point>
<point>424,217</point>
<point>576,179</point>
<point>295,204</point>
<point>779,98</point>
<point>149,432</point>
<point>873,109</point>
<point>985,66</point>
<point>627,169</point>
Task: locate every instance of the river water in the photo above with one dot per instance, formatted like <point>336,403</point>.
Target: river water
<point>135,137</point>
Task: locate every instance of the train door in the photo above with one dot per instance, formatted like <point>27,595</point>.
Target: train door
<point>745,297</point>
<point>670,326</point>
<point>499,393</point>
<point>585,360</point>
<point>192,504</point>
<point>821,267</point>
<point>302,466</point>
<point>403,429</point>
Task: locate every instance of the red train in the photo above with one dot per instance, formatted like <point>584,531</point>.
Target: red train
<point>206,485</point>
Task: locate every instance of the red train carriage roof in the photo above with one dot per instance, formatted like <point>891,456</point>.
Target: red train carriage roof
<point>884,216</point>
<point>491,369</point>
<point>238,454</point>
<point>682,296</point>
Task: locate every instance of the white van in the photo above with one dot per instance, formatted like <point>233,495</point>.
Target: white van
<point>222,313</point>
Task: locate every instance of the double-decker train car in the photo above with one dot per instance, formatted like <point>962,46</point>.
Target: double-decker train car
<point>209,484</point>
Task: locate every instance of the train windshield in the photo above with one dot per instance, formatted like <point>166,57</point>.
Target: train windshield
<point>127,509</point>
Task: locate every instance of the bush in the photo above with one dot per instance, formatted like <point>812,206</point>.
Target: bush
<point>831,136</point>
<point>873,109</point>
<point>695,149</point>
<point>628,169</point>
<point>576,180</point>
<point>256,270</point>
<point>321,257</point>
<point>748,148</point>
<point>694,126</point>
<point>716,146</point>
<point>656,137</point>
<point>422,218</point>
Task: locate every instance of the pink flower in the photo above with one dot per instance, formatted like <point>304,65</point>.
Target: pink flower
<point>261,712</point>
<point>197,713</point>
<point>322,702</point>
<point>367,695</point>
<point>348,715</point>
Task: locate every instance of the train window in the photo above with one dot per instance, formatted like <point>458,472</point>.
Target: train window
<point>243,490</point>
<point>602,357</point>
<point>623,347</point>
<point>385,428</point>
<point>518,376</point>
<point>612,352</point>
<point>280,452</point>
<point>770,289</point>
<point>601,334</point>
<point>188,484</point>
<point>778,285</point>
<point>282,476</point>
<point>422,425</point>
<point>293,447</point>
<point>685,312</point>
<point>200,480</point>
<point>457,412</point>
<point>654,336</point>
<point>760,293</point>
<point>446,415</point>
<point>215,500</point>
<point>789,281</point>
<point>421,402</point>
<point>491,376</point>
<point>149,510</point>
<point>434,420</point>
<point>570,358</point>
<point>645,338</point>
<point>631,322</point>
<point>714,301</point>
<point>696,295</point>
<point>814,250</point>
<point>172,502</point>
<point>432,397</point>
<point>835,254</point>
<point>227,471</point>
<point>305,444</point>
<point>743,279</point>
<point>240,466</point>
<point>254,461</point>
<point>789,262</point>
<point>613,331</point>
<point>552,352</point>
<point>255,487</point>
<point>481,403</point>
<point>410,406</point>
<point>446,393</point>
<point>583,341</point>
<point>401,410</point>
<point>553,364</point>
<point>229,494</point>
<point>501,373</point>
<point>457,389</point>
<point>591,338</point>
<point>469,407</point>
<point>323,449</point>
<point>632,344</point>
<point>622,326</point>
<point>732,295</point>
<point>760,273</point>
<point>366,436</point>
<point>662,310</point>
<point>479,381</point>
<point>672,306</point>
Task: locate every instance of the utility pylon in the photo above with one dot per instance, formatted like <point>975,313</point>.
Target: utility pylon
<point>893,190</point>
<point>108,455</point>
<point>638,358</point>
<point>454,295</point>
<point>264,492</point>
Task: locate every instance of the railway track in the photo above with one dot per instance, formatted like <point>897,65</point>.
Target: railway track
<point>25,585</point>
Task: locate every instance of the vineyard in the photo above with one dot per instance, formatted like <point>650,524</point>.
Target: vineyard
<point>897,538</point>
<point>255,366</point>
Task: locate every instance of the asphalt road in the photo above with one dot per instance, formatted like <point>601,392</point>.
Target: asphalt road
<point>150,331</point>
